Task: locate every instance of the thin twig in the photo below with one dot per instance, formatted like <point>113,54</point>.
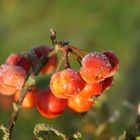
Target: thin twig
<point>30,80</point>
<point>53,36</point>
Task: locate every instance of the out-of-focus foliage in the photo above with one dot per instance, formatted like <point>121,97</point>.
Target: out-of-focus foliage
<point>90,25</point>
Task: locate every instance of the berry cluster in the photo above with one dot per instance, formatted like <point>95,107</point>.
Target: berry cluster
<point>68,87</point>
<point>80,87</point>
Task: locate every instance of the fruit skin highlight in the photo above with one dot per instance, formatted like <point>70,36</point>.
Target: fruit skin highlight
<point>66,83</point>
<point>48,105</point>
<point>95,67</point>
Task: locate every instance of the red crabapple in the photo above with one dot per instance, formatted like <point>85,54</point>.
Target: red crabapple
<point>19,60</point>
<point>12,79</point>
<point>79,104</point>
<point>95,67</point>
<point>107,83</point>
<point>113,60</point>
<point>96,89</point>
<point>30,98</point>
<point>48,105</point>
<point>91,90</point>
<point>66,83</point>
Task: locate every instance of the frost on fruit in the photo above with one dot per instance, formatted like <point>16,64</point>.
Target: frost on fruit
<point>66,83</point>
<point>12,77</point>
<point>95,67</point>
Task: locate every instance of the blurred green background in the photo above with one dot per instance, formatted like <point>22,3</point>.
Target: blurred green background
<point>88,24</point>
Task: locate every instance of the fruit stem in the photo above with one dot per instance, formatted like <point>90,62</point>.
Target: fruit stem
<point>59,64</point>
<point>66,55</point>
<point>79,59</point>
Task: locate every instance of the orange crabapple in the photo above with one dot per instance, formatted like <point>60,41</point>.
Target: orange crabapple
<point>30,98</point>
<point>49,105</point>
<point>95,67</point>
<point>80,104</point>
<point>12,79</point>
<point>66,83</point>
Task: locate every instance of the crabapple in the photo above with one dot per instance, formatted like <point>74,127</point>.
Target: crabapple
<point>113,60</point>
<point>95,67</point>
<point>66,83</point>
<point>12,79</point>
<point>90,90</point>
<point>30,98</point>
<point>19,60</point>
<point>50,65</point>
<point>49,105</point>
<point>79,104</point>
<point>107,83</point>
<point>96,89</point>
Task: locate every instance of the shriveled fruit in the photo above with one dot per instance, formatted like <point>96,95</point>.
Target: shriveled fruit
<point>19,60</point>
<point>12,79</point>
<point>95,67</point>
<point>66,83</point>
<point>48,105</point>
<point>30,98</point>
<point>79,104</point>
